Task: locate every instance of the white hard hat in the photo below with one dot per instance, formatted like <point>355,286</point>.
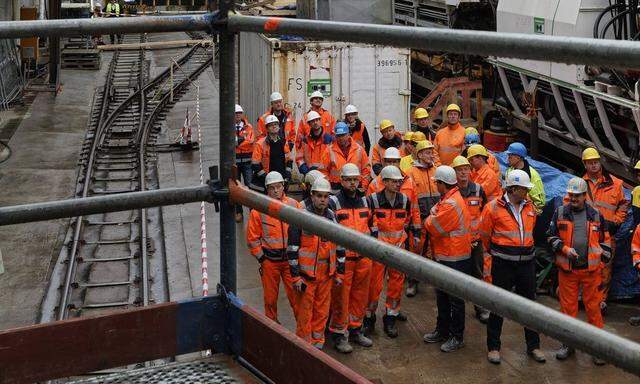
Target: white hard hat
<point>446,174</point>
<point>392,153</point>
<point>391,172</point>
<point>239,109</point>
<point>270,119</point>
<point>312,115</point>
<point>577,185</point>
<point>350,109</point>
<point>272,178</point>
<point>349,170</point>
<point>321,185</point>
<point>312,176</point>
<point>316,94</point>
<point>275,96</point>
<point>519,178</point>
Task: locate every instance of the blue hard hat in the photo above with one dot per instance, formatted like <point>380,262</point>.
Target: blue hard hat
<point>517,149</point>
<point>341,128</point>
<point>471,138</point>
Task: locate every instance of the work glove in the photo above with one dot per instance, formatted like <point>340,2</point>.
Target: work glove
<point>571,253</point>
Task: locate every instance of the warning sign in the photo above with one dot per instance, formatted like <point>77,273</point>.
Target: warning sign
<point>322,85</point>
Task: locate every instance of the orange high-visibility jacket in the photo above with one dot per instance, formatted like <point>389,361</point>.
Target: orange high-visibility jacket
<point>267,236</point>
<point>260,158</point>
<point>356,155</point>
<point>246,141</point>
<point>449,143</point>
<point>607,196</point>
<point>635,247</point>
<point>560,237</point>
<point>287,126</point>
<point>475,199</point>
<point>360,135</point>
<point>450,228</point>
<point>314,154</point>
<point>489,181</point>
<point>425,187</point>
<point>328,123</point>
<point>306,250</point>
<point>377,153</point>
<point>407,187</point>
<point>493,163</point>
<point>393,223</point>
<point>353,213</point>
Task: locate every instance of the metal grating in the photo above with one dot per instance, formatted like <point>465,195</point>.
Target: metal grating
<point>198,372</point>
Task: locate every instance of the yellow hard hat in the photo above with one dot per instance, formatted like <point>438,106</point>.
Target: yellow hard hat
<point>384,124</point>
<point>637,167</point>
<point>420,113</point>
<point>477,150</point>
<point>471,131</point>
<point>590,154</point>
<point>406,137</point>
<point>459,161</point>
<point>424,144</point>
<point>453,107</point>
<point>418,136</point>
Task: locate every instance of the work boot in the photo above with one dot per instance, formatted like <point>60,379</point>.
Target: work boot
<point>389,326</point>
<point>634,320</point>
<point>342,344</point>
<point>358,337</point>
<point>412,288</point>
<point>598,361</point>
<point>401,316</point>
<point>482,315</point>
<point>564,352</point>
<point>453,344</point>
<point>494,357</point>
<point>369,324</point>
<point>434,337</point>
<point>537,355</point>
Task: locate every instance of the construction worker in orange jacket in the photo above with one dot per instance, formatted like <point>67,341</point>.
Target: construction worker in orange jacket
<point>244,149</point>
<point>449,141</point>
<point>356,127</point>
<point>506,231</point>
<point>392,157</point>
<point>286,124</point>
<point>606,194</point>
<point>472,137</point>
<point>349,300</point>
<point>315,264</point>
<point>410,149</point>
<point>482,173</point>
<point>635,257</point>
<point>575,234</point>
<point>423,124</point>
<point>390,138</point>
<point>271,153</point>
<point>393,221</point>
<point>267,239</point>
<point>328,122</point>
<point>314,150</point>
<point>475,198</point>
<point>450,228</point>
<point>345,150</point>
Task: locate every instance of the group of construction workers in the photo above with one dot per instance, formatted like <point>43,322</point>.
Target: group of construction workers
<point>438,194</point>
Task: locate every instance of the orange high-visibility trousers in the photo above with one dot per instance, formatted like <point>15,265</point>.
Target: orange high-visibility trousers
<point>313,311</point>
<point>271,272</point>
<point>569,284</point>
<point>395,282</point>
<point>349,300</point>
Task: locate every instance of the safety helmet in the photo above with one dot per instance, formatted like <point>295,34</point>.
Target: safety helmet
<point>270,119</point>
<point>518,177</point>
<point>471,138</point>
<point>517,149</point>
<point>349,170</point>
<point>459,161</point>
<point>418,136</point>
<point>321,185</point>
<point>275,96</point>
<point>453,107</point>
<point>391,172</point>
<point>384,124</point>
<point>577,185</point>
<point>239,109</point>
<point>312,115</point>
<point>407,136</point>
<point>473,130</point>
<point>316,94</point>
<point>272,178</point>
<point>424,144</point>
<point>477,150</point>
<point>312,175</point>
<point>446,174</point>
<point>637,167</point>
<point>392,153</point>
<point>590,154</point>
<point>420,113</point>
<point>341,128</point>
<point>350,109</point>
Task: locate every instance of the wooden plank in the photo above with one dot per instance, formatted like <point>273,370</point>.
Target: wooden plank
<point>153,45</point>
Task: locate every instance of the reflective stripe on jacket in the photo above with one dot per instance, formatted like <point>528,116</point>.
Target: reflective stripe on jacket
<point>635,247</point>
<point>260,158</point>
<point>315,153</point>
<point>475,200</point>
<point>607,196</point>
<point>392,223</point>
<point>425,187</point>
<point>246,138</point>
<point>450,228</point>
<point>328,122</point>
<point>287,126</point>
<point>353,213</point>
<point>489,181</point>
<point>268,236</point>
<point>449,143</point>
<point>536,194</point>
<point>356,155</point>
<point>377,153</point>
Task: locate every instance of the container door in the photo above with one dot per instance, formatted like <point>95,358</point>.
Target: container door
<point>392,87</point>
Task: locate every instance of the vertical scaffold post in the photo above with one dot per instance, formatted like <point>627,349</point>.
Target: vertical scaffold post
<point>228,80</point>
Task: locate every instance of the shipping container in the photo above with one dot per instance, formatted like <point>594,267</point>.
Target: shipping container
<point>374,78</point>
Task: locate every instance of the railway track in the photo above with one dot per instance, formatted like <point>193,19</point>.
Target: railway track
<point>116,260</point>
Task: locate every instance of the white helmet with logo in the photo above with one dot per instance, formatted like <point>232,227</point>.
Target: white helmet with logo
<point>519,178</point>
<point>312,115</point>
<point>321,185</point>
<point>349,170</point>
<point>270,119</point>
<point>350,109</point>
<point>392,153</point>
<point>391,172</point>
<point>316,94</point>
<point>446,174</point>
<point>275,96</point>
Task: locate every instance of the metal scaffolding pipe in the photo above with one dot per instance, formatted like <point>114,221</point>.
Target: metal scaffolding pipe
<point>561,49</point>
<point>49,210</point>
<point>613,348</point>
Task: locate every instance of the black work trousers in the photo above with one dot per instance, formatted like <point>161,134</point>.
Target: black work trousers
<point>450,321</point>
<point>520,275</point>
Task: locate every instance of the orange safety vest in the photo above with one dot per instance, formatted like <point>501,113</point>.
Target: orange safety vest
<point>560,237</point>
<point>358,132</point>
<point>353,213</point>
<point>377,152</point>
<point>475,201</point>
<point>390,223</point>
<point>425,187</point>
<point>449,143</point>
<point>268,236</point>
<point>261,156</point>
<point>245,148</point>
<point>315,153</point>
<point>328,122</point>
<point>635,247</point>
<point>287,127</point>
<point>356,155</point>
<point>489,181</point>
<point>450,228</point>
<point>607,196</point>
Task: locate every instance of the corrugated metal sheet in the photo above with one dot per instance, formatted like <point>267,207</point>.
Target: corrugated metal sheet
<point>255,66</point>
